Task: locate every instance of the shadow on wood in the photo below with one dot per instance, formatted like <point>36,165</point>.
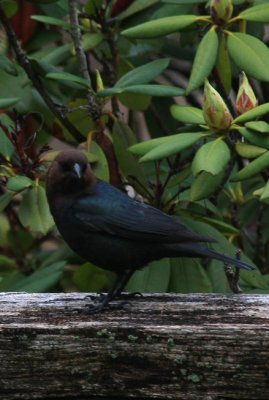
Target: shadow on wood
<point>157,347</point>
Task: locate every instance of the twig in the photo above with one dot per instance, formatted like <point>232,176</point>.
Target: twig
<point>107,29</point>
<point>94,108</point>
<point>113,71</point>
<point>26,65</point>
<point>233,276</point>
<point>77,39</point>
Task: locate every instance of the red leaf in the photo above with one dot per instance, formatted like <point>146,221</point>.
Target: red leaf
<point>22,23</point>
<point>120,6</point>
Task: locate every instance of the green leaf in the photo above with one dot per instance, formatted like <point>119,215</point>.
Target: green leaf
<point>151,90</point>
<point>10,7</point>
<point>43,69</point>
<point>57,55</point>
<point>51,21</point>
<point>143,74</point>
<point>34,210</point>
<point>16,87</point>
<point>90,41</point>
<point>187,114</point>
<point>135,7</point>
<point>249,150</point>
<point>204,185</point>
<point>252,114</point>
<point>79,118</point>
<point>188,276</point>
<point>259,13</point>
<point>253,168</point>
<point>144,147</point>
<point>223,64</point>
<point>221,225</point>
<point>90,278</point>
<point>101,169</point>
<point>135,101</point>
<point>184,1</point>
<point>152,279</point>
<point>42,1</point>
<point>259,126</point>
<point>265,193</point>
<point>5,199</point>
<point>10,279</point>
<point>217,278</point>
<point>6,263</point>
<point>204,60</point>
<point>64,76</point>
<point>92,6</point>
<point>177,180</point>
<point>258,192</point>
<point>160,27</point>
<point>179,143</point>
<point>19,183</point>
<point>249,54</point>
<point>255,137</point>
<point>41,280</point>
<point>7,65</point>
<point>6,147</point>
<point>123,138</point>
<point>211,157</point>
<point>8,102</point>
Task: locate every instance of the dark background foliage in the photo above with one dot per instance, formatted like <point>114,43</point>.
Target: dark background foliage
<point>123,80</point>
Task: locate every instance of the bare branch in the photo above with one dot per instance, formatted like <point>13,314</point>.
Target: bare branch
<point>94,108</point>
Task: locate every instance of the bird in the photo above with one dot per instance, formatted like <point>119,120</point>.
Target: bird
<point>106,227</point>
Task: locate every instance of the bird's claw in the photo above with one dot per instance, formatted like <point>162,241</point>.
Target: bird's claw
<point>101,296</point>
<point>103,301</point>
<point>94,309</point>
<point>96,297</point>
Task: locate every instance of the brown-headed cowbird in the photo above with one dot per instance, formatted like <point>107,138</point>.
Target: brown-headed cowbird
<point>108,228</point>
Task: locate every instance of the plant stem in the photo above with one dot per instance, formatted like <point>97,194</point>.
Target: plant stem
<point>94,108</point>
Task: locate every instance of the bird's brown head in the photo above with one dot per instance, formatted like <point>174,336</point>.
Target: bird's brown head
<point>69,173</point>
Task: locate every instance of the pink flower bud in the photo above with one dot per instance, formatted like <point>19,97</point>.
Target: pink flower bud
<point>246,99</point>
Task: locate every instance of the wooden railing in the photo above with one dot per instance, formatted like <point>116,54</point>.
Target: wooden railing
<point>198,346</point>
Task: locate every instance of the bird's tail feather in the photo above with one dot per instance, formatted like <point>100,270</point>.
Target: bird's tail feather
<point>226,259</point>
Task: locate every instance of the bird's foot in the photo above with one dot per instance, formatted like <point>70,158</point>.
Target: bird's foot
<point>94,309</point>
<point>100,296</point>
<point>103,302</point>
<point>100,307</point>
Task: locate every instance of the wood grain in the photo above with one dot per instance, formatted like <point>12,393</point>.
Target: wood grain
<point>156,347</point>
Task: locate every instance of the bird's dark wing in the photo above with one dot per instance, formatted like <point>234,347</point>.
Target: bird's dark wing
<point>112,212</point>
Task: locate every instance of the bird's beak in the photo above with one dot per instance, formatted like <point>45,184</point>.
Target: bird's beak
<point>77,170</point>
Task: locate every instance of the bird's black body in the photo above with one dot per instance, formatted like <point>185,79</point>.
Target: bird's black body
<point>108,228</point>
<point>116,232</point>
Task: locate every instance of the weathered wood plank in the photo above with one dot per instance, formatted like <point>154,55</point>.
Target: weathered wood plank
<point>158,347</point>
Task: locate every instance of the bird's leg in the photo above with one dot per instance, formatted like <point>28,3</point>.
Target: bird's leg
<point>115,291</point>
